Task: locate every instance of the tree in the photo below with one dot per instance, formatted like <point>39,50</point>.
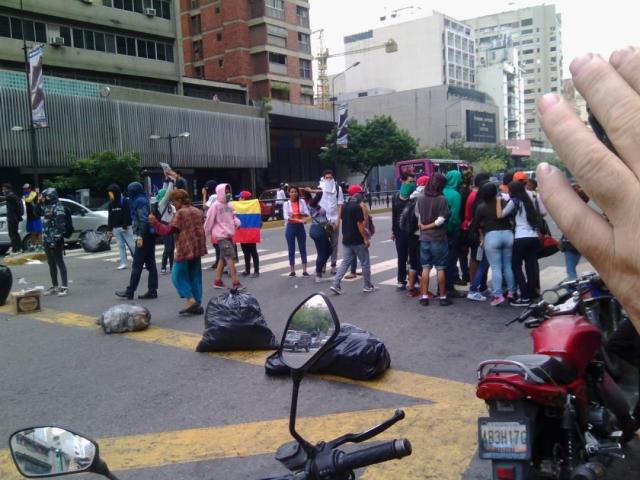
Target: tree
<point>378,142</point>
<point>435,152</point>
<point>492,164</point>
<point>99,171</point>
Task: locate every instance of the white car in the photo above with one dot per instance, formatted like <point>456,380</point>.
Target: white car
<point>83,219</point>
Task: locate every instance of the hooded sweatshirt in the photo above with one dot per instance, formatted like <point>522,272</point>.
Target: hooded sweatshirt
<point>221,220</point>
<point>53,216</point>
<point>139,209</point>
<point>119,216</point>
<point>454,200</point>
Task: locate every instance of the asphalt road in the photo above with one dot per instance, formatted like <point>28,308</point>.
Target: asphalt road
<point>161,411</point>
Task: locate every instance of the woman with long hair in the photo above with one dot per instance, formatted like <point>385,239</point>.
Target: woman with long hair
<point>320,231</point>
<point>295,214</point>
<point>526,243</point>
<point>497,242</point>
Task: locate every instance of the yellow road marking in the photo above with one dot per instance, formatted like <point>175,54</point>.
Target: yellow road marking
<point>443,434</point>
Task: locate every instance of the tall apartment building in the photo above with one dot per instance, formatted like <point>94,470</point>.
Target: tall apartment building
<point>576,100</point>
<point>537,34</point>
<point>432,51</point>
<point>128,43</point>
<point>262,44</point>
<point>499,74</point>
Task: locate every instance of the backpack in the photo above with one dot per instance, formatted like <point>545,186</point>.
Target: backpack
<point>408,221</point>
<point>68,223</point>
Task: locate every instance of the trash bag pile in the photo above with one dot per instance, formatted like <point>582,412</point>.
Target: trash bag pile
<point>234,321</point>
<point>94,241</point>
<point>6,281</point>
<point>355,354</point>
<point>125,318</point>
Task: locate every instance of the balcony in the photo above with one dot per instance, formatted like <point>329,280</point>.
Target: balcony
<point>274,13</point>
<point>278,68</point>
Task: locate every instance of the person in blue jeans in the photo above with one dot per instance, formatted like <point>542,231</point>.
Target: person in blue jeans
<point>571,254</point>
<point>497,242</point>
<point>318,232</point>
<point>295,214</point>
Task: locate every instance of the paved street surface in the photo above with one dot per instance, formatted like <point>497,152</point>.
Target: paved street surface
<point>161,411</point>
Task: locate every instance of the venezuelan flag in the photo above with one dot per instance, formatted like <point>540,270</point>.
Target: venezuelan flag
<point>249,213</point>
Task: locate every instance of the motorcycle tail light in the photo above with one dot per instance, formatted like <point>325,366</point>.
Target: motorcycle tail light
<point>498,391</point>
<point>505,473</point>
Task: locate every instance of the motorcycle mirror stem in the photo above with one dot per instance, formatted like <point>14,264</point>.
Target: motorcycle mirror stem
<point>310,450</point>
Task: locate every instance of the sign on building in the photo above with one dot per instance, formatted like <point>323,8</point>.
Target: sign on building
<point>481,127</point>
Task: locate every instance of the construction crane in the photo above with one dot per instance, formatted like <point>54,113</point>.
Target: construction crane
<point>322,92</point>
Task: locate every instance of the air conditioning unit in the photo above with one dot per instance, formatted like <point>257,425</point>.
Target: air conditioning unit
<point>150,12</point>
<point>56,41</point>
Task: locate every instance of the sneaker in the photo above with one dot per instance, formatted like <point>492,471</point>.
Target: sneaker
<point>520,302</point>
<point>219,284</point>
<point>124,266</point>
<point>413,293</point>
<point>401,286</point>
<point>487,293</point>
<point>162,271</point>
<point>292,274</point>
<point>336,290</point>
<point>497,301</point>
<point>255,275</point>
<point>369,289</point>
<point>245,274</point>
<point>63,291</point>
<point>476,297</point>
<point>445,302</point>
<point>305,274</point>
<point>424,302</point>
<point>51,291</point>
<point>238,286</point>
<point>350,276</point>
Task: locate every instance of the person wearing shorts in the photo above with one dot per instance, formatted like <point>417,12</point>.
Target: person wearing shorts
<point>34,222</point>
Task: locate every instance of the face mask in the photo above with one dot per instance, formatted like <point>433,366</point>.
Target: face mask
<point>407,189</point>
<point>229,197</point>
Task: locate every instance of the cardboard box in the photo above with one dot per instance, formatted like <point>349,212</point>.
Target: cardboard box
<point>26,302</point>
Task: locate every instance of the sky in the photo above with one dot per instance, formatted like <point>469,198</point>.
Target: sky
<point>587,26</point>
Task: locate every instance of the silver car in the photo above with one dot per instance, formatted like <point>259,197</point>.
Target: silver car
<point>83,219</point>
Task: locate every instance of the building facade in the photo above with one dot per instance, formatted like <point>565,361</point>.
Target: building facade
<point>576,100</point>
<point>432,51</point>
<point>262,44</point>
<point>537,35</point>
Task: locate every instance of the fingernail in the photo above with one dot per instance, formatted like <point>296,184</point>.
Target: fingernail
<point>579,63</point>
<point>619,57</point>
<point>544,168</point>
<point>548,101</point>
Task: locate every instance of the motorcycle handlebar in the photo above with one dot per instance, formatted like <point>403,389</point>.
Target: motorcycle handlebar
<point>395,449</point>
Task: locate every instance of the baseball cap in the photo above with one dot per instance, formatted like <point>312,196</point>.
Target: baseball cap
<point>245,195</point>
<point>520,177</point>
<point>354,190</point>
<point>422,181</point>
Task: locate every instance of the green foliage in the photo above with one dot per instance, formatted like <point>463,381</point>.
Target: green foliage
<point>492,164</point>
<point>378,142</point>
<point>312,319</point>
<point>436,152</point>
<point>99,171</point>
<point>494,158</point>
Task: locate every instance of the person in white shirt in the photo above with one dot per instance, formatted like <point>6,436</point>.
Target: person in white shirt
<point>281,198</point>
<point>332,201</point>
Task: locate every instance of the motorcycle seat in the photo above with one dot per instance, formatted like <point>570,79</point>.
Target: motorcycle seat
<point>546,367</point>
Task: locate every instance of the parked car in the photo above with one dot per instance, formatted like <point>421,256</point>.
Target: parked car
<point>295,341</point>
<point>268,206</point>
<point>83,219</point>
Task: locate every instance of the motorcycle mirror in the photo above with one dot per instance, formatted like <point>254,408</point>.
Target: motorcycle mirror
<point>51,452</point>
<point>550,297</point>
<point>309,332</point>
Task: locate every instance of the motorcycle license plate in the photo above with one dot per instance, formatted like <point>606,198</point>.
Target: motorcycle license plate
<point>504,439</point>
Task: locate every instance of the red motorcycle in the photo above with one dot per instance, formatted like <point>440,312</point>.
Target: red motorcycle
<point>551,413</point>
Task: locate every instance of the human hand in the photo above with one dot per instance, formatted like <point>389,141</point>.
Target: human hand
<point>612,89</point>
<point>367,243</point>
<point>139,242</point>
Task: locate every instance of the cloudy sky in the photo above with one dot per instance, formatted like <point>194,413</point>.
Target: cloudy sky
<point>588,26</point>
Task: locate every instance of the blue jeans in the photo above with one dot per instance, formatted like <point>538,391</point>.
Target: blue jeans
<point>479,279</point>
<point>434,254</point>
<point>351,252</point>
<point>323,246</point>
<point>187,278</point>
<point>498,246</point>
<point>144,257</point>
<point>124,237</point>
<point>571,260</point>
<point>295,231</point>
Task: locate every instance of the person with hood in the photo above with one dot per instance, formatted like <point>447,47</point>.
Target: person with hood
<point>433,211</point>
<point>399,236</point>
<point>191,246</point>
<point>34,222</point>
<point>54,225</point>
<point>454,201</point>
<point>119,222</point>
<point>164,212</point>
<point>332,200</point>
<point>221,224</point>
<point>14,216</point>
<point>144,254</point>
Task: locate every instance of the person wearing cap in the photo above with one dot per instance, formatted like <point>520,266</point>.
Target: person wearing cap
<point>355,239</point>
<point>521,177</point>
<point>250,250</point>
<point>34,222</point>
<point>413,241</point>
<point>399,236</point>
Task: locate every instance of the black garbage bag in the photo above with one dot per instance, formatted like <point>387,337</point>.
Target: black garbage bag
<point>6,281</point>
<point>93,241</point>
<point>234,321</point>
<point>355,354</point>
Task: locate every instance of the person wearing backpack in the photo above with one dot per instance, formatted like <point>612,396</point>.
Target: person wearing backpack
<point>119,223</point>
<point>398,235</point>
<point>54,219</point>
<point>15,211</point>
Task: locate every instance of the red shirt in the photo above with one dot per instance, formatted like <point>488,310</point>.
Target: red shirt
<point>468,210</point>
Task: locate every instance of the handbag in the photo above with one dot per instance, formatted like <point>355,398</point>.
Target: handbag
<point>548,246</point>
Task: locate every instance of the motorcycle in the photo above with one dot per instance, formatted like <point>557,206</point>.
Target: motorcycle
<point>50,451</point>
<point>548,411</point>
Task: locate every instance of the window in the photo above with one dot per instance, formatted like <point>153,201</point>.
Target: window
<point>217,10</point>
<point>78,38</point>
<point>552,49</point>
<point>529,61</point>
<point>99,39</point>
<point>306,99</point>
<point>131,46</point>
<point>527,52</point>
<point>110,43</point>
<point>553,59</point>
<point>552,39</point>
<point>169,52</point>
<point>527,31</point>
<point>196,26</point>
<point>151,50</point>
<point>277,58</point>
<point>122,45</point>
<point>41,32</point>
<point>221,62</point>
<point>219,36</point>
<point>527,42</point>
<point>305,68</point>
<point>162,7</point>
<point>16,28</point>
<point>277,36</point>
<point>554,79</point>
<point>142,48</point>
<point>528,91</point>
<point>5,27</point>
<point>89,43</point>
<point>530,100</point>
<point>65,32</point>
<point>554,89</point>
<point>304,42</point>
<point>161,51</point>
<point>197,50</point>
<point>274,8</point>
<point>303,16</point>
<point>526,22</point>
<point>198,72</point>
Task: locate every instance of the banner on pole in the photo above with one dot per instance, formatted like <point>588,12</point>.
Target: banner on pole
<point>38,115</point>
<point>343,129</point>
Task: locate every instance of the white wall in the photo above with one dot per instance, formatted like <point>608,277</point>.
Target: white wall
<point>491,80</point>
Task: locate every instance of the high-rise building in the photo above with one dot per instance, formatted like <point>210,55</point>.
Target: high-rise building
<point>262,44</point>
<point>432,51</point>
<point>537,34</point>
<point>576,100</point>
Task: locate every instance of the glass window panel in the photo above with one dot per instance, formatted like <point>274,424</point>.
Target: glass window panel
<point>160,51</point>
<point>138,6</point>
<point>122,45</point>
<point>100,46</point>
<point>110,43</point>
<point>65,32</point>
<point>157,5</point>
<point>151,50</point>
<point>41,32</point>
<point>5,27</point>
<point>166,9</point>
<point>88,40</point>
<point>16,28</point>
<point>169,52</point>
<point>78,38</point>
<point>142,48</point>
<point>131,46</point>
<point>128,4</point>
<point>118,3</point>
<point>29,31</point>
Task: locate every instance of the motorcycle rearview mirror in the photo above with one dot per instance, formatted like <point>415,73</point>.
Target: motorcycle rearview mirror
<point>551,297</point>
<point>310,331</point>
<point>51,451</point>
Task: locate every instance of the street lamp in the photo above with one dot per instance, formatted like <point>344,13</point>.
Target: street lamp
<point>171,138</point>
